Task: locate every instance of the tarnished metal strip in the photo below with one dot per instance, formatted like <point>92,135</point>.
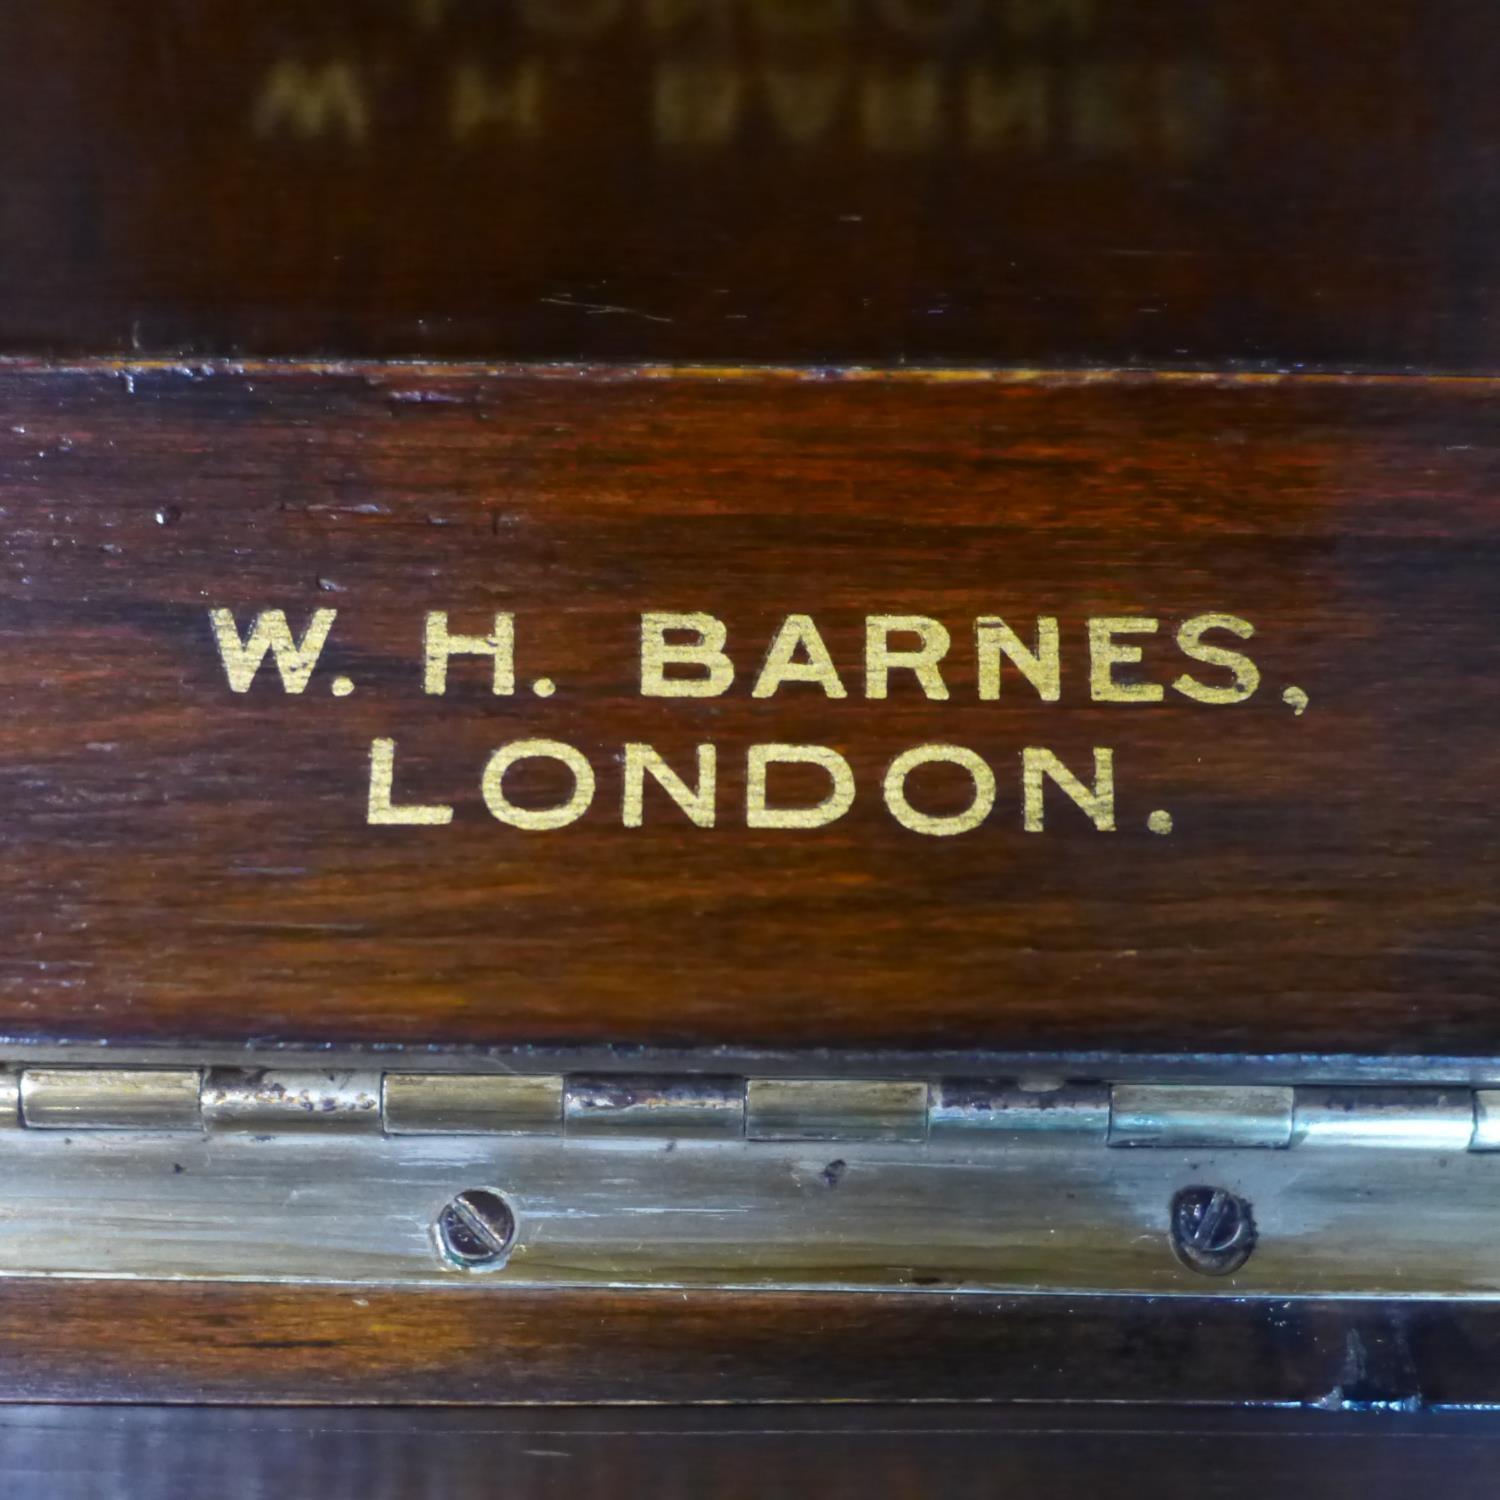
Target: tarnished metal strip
<point>686,1108</point>
<point>837,1184</point>
<point>1007,1110</point>
<point>1486,1121</point>
<point>1422,1119</point>
<point>1145,1115</point>
<point>805,1109</point>
<point>473,1104</point>
<point>950,1214</point>
<point>111,1098</point>
<point>270,1100</point>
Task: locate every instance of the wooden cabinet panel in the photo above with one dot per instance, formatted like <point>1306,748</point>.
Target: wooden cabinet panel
<point>192,862</point>
<point>1263,182</point>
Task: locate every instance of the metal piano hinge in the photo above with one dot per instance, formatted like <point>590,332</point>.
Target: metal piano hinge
<point>1181,1115</point>
<point>364,1175</point>
<point>270,1101</point>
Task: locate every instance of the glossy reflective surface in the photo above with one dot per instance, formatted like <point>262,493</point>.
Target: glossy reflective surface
<point>1004,181</point>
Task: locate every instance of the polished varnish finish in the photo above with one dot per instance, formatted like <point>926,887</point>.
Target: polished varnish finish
<point>1272,182</point>
<point>191,863</point>
<point>1258,184</point>
<point>744,1453</point>
<point>228,1344</point>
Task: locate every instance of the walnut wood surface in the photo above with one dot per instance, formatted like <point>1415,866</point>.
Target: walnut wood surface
<point>1274,183</point>
<point>186,863</point>
<point>1159,181</point>
<point>176,1342</point>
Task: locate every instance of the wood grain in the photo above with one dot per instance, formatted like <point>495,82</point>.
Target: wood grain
<point>1263,182</point>
<point>187,863</point>
<point>176,1342</point>
<point>1277,185</point>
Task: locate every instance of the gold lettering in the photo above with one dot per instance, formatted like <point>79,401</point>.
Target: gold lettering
<point>295,659</point>
<point>1097,801</point>
<point>1105,653</point>
<point>901,109</point>
<point>707,653</point>
<point>696,103</point>
<point>382,810</point>
<point>908,816</point>
<point>438,645</point>
<point>1042,668</point>
<point>309,101</point>
<point>1005,105</point>
<point>803,102</point>
<point>514,103</point>
<point>759,813</point>
<point>641,760</point>
<point>530,818</point>
<point>880,659</point>
<point>798,631</point>
<point>1244,671</point>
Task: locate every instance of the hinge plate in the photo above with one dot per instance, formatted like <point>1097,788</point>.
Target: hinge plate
<point>723,1182</point>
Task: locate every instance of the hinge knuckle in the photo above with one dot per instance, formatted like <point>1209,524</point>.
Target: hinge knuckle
<point>473,1104</point>
<point>835,1109</point>
<point>163,1099</point>
<point>268,1100</point>
<point>1423,1119</point>
<point>1187,1115</point>
<point>1005,1111</point>
<point>688,1108</point>
<point>1486,1120</point>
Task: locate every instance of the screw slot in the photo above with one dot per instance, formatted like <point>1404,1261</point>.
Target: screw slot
<point>475,1230</point>
<point>1213,1230</point>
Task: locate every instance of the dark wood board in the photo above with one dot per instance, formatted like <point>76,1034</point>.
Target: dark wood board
<point>187,863</point>
<point>80,1453</point>
<point>1283,185</point>
<point>1265,182</point>
<point>217,1344</point>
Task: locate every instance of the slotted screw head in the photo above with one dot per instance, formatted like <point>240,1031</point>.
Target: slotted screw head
<point>476,1228</point>
<point>1213,1230</point>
